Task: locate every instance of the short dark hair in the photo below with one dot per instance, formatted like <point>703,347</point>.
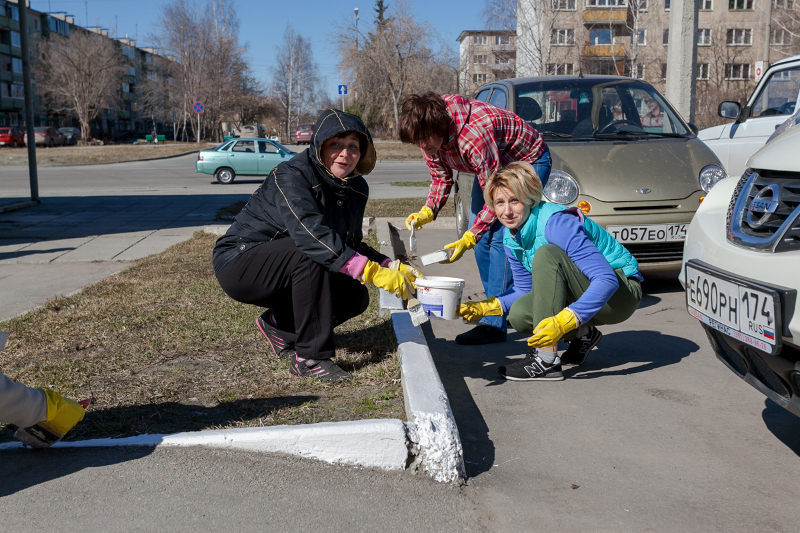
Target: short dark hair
<point>423,116</point>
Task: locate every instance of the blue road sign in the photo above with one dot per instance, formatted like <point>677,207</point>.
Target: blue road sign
<point>198,107</point>
<point>342,89</point>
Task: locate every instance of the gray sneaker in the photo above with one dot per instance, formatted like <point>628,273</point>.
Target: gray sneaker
<point>532,368</point>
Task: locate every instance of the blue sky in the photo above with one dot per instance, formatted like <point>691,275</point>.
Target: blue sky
<point>263,23</point>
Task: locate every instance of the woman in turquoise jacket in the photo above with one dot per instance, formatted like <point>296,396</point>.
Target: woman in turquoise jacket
<point>570,275</point>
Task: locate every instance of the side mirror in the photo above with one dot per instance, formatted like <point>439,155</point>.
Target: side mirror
<point>693,128</point>
<point>281,152</point>
<point>729,110</point>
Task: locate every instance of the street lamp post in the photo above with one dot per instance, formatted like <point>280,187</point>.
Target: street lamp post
<point>356,10</point>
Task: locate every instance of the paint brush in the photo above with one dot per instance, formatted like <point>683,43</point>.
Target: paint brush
<point>416,312</point>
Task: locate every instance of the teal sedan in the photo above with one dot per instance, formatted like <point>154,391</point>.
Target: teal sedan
<point>247,157</point>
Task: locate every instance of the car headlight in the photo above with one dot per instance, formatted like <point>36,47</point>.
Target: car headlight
<point>561,188</point>
<point>710,175</point>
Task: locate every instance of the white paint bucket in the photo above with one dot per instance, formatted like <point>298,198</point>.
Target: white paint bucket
<point>440,296</point>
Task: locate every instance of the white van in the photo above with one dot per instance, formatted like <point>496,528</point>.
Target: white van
<point>774,99</point>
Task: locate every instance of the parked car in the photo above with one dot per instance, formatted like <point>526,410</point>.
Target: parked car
<point>773,100</point>
<point>741,266</point>
<point>250,157</point>
<point>47,136</point>
<point>73,135</point>
<point>620,152</point>
<point>128,137</point>
<point>303,133</point>
<point>275,138</point>
<point>11,137</point>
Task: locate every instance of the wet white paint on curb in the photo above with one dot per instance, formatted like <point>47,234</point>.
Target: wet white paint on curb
<point>370,443</point>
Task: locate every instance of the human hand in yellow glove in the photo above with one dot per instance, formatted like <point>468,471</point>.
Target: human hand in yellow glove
<point>393,281</point>
<point>62,413</point>
<point>467,242</point>
<point>550,330</point>
<point>424,216</point>
<point>472,311</point>
<point>408,270</point>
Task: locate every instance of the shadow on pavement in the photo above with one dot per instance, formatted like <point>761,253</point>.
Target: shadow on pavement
<point>783,424</point>
<point>25,468</point>
<point>25,253</point>
<point>651,349</point>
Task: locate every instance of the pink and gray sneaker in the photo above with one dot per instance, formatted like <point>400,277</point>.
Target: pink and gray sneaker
<point>323,369</point>
<point>282,347</point>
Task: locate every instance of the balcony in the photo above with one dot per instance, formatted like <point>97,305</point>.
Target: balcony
<point>503,66</point>
<point>605,16</point>
<point>604,50</point>
<point>503,48</point>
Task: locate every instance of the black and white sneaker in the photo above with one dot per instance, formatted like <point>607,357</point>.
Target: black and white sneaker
<point>532,368</point>
<point>282,347</point>
<point>580,347</point>
<point>323,369</point>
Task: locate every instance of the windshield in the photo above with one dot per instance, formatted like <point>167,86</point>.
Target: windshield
<point>305,127</point>
<point>40,130</point>
<point>597,109</point>
<point>282,147</point>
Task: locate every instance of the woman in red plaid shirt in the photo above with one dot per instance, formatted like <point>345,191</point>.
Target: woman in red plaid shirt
<point>456,133</point>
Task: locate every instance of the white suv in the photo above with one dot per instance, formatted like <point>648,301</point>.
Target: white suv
<point>741,269</point>
<point>772,101</point>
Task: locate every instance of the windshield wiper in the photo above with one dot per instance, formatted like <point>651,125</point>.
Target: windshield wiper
<point>637,133</point>
<point>555,134</point>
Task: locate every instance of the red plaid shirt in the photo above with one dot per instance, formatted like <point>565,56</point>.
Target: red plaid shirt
<point>482,139</point>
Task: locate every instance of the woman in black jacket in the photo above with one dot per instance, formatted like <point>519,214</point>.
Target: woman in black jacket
<point>296,247</point>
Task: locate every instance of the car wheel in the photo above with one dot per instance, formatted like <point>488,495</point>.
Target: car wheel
<point>462,214</point>
<point>51,144</point>
<point>225,175</point>
<point>15,144</point>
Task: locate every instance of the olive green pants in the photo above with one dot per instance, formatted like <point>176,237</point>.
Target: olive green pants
<point>557,282</point>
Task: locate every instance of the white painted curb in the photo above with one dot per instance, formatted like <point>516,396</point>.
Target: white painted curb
<point>369,443</point>
<point>431,427</point>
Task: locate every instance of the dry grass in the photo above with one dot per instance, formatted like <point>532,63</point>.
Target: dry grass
<point>78,155</point>
<point>163,349</point>
<point>397,151</point>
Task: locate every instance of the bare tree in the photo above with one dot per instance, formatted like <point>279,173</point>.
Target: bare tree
<point>295,79</point>
<point>80,74</point>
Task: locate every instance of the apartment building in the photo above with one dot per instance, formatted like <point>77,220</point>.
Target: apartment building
<point>485,56</point>
<point>140,63</point>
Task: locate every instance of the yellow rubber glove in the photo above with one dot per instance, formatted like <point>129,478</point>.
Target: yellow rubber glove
<point>424,216</point>
<point>393,281</point>
<point>408,270</point>
<point>550,330</point>
<point>62,413</point>
<point>472,311</point>
<point>467,242</point>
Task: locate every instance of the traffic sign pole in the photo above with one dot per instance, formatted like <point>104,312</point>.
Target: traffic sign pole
<point>198,108</point>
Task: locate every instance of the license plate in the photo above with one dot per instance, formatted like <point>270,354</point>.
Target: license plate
<point>739,308</point>
<point>648,233</point>
<point>2,143</point>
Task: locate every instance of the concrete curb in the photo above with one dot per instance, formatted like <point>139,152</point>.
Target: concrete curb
<point>368,443</point>
<point>128,161</point>
<point>432,428</point>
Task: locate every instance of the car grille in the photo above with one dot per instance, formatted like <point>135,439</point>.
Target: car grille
<point>656,252</point>
<point>766,214</point>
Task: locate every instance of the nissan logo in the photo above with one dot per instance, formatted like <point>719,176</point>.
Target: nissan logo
<point>764,204</point>
<point>643,191</point>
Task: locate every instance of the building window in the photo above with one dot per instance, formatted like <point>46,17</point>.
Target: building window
<point>780,37</point>
<point>737,71</point>
<point>479,59</point>
<point>502,60</point>
<point>58,26</point>
<point>642,38</point>
<point>16,65</point>
<point>702,71</point>
<point>17,91</point>
<point>704,37</point>
<point>560,69</point>
<point>128,51</point>
<point>562,37</point>
<point>665,39</point>
<point>152,76</point>
<point>480,39</point>
<point>132,71</point>
<point>606,3</point>
<point>663,71</point>
<point>638,71</point>
<point>706,5</point>
<point>12,12</point>
<point>37,25</point>
<point>740,37</point>
<point>479,78</point>
<point>782,4</point>
<point>126,87</point>
<point>502,39</point>
<point>15,40</point>
<point>666,5</point>
<point>599,36</point>
<point>564,5</point>
<point>736,5</point>
<point>14,120</point>
<point>638,5</point>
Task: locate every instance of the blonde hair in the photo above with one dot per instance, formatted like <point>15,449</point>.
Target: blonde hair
<point>518,177</point>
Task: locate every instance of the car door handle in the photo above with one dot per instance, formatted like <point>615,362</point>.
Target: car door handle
<point>777,126</point>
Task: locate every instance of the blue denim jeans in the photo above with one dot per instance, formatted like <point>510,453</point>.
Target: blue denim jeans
<point>490,254</point>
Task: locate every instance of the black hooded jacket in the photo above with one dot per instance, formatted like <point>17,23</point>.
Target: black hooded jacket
<point>303,201</point>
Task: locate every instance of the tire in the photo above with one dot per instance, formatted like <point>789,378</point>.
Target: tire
<point>225,176</point>
<point>15,144</point>
<point>462,214</point>
<point>51,143</point>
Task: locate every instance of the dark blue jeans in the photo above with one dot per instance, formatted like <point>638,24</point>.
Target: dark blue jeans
<point>490,254</point>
